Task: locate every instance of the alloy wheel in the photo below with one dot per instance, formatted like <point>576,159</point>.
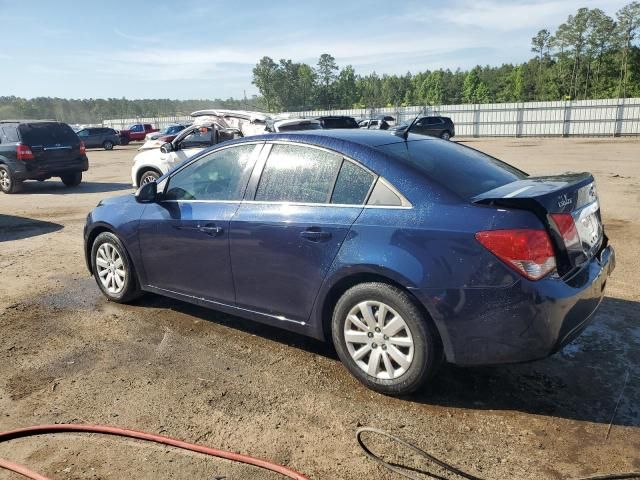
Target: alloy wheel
<point>379,340</point>
<point>111,269</point>
<point>5,181</point>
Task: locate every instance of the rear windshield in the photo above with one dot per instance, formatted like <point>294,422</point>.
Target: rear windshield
<point>339,123</point>
<point>465,171</point>
<point>47,134</point>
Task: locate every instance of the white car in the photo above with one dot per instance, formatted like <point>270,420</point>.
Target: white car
<point>149,165</point>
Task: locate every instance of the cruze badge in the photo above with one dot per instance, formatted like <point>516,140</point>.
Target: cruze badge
<point>564,201</point>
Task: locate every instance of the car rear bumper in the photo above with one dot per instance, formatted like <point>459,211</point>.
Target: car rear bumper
<point>32,171</point>
<point>526,321</point>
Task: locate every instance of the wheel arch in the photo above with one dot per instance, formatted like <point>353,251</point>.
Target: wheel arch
<point>340,285</point>
<point>146,168</point>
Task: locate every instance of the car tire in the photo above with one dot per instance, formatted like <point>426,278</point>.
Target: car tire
<point>107,145</point>
<point>113,270</point>
<point>399,357</point>
<point>148,176</point>
<point>8,183</point>
<point>72,179</point>
<point>445,135</point>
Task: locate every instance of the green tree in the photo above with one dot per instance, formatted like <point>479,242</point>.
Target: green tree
<point>327,73</point>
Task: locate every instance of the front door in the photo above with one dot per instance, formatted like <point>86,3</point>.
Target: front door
<point>184,237</point>
<point>285,239</point>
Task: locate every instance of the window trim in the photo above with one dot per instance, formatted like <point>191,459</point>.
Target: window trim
<point>252,187</point>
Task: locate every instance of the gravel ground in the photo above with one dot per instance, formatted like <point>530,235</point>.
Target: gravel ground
<point>67,355</point>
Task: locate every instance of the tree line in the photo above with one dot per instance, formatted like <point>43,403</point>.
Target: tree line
<point>590,55</point>
<point>95,110</point>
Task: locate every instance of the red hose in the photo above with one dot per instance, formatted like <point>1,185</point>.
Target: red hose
<point>149,437</point>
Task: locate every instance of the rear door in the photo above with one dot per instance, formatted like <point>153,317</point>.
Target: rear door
<point>55,146</point>
<point>184,238</point>
<point>284,239</point>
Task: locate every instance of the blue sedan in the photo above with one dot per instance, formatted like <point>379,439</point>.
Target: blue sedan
<point>403,252</point>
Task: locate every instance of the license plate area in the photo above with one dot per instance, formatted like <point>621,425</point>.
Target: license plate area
<point>589,226</point>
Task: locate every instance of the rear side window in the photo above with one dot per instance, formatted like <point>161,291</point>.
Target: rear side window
<point>10,134</point>
<point>464,171</point>
<point>353,185</point>
<point>47,134</point>
<point>298,174</point>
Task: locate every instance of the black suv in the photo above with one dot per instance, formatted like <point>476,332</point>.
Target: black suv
<point>37,150</point>
<point>337,121</point>
<point>99,137</point>
<point>434,126</point>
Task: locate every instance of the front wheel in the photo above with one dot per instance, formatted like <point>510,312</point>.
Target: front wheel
<point>384,339</point>
<point>72,179</point>
<point>445,135</point>
<point>107,145</point>
<point>113,270</point>
<point>148,177</point>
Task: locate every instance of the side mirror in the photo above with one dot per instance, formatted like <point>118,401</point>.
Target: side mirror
<point>147,193</point>
<point>167,147</point>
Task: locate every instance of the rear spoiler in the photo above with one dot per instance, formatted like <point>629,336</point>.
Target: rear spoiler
<point>543,195</point>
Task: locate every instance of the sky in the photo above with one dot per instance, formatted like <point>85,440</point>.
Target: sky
<point>190,49</point>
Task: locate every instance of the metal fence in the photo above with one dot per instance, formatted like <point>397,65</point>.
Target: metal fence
<point>158,121</point>
<point>612,117</point>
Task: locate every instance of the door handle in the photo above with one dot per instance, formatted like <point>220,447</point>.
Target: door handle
<point>210,229</point>
<point>315,235</point>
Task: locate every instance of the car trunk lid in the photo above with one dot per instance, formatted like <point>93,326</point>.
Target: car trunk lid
<point>568,207</point>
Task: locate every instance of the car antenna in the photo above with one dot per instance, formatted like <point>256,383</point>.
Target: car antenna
<point>405,134</point>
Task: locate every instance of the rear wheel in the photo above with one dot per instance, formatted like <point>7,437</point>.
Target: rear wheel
<point>148,176</point>
<point>72,179</point>
<point>107,145</point>
<point>445,135</point>
<point>8,183</point>
<point>384,340</point>
<point>113,270</point>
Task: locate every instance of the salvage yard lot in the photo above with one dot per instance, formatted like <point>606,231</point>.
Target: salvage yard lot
<point>67,355</point>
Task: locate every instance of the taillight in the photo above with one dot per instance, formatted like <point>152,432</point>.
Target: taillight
<point>529,252</point>
<point>24,152</point>
<point>567,228</point>
<point>83,149</point>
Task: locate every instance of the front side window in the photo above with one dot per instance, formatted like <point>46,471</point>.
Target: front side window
<point>299,174</point>
<point>83,133</point>
<point>220,175</point>
<point>136,128</point>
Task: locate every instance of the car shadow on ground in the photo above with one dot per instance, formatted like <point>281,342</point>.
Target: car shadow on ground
<point>17,228</point>
<point>58,188</point>
<point>585,381</point>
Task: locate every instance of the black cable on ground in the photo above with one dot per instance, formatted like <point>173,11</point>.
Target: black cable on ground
<point>401,470</point>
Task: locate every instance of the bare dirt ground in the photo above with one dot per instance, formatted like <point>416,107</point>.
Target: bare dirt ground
<point>67,355</point>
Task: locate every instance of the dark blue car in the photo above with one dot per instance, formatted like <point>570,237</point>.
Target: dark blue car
<point>403,252</point>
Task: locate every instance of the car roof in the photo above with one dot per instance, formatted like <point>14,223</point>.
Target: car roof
<point>368,138</point>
